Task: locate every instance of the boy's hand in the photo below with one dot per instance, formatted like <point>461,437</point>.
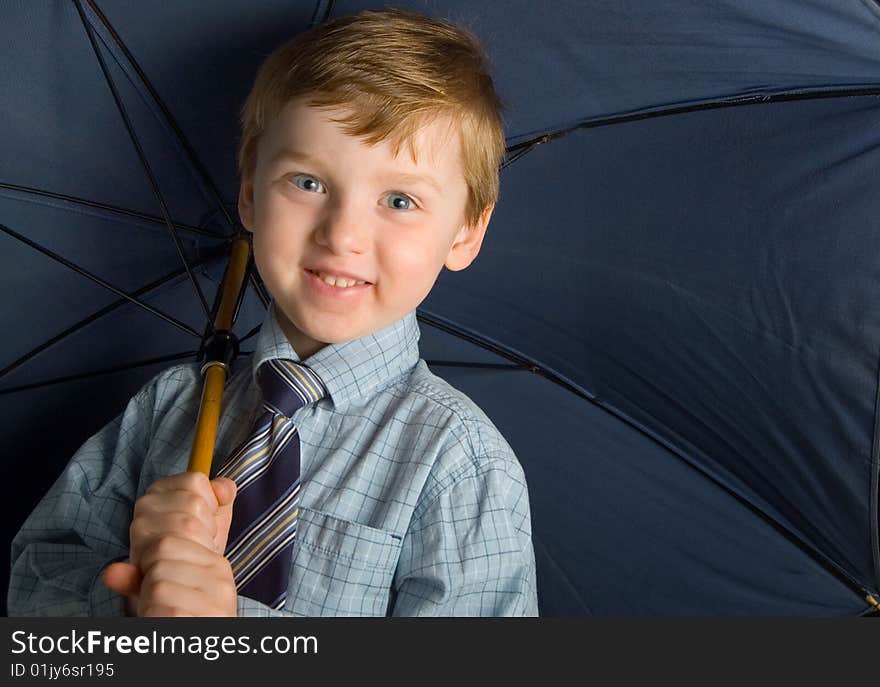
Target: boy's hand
<point>183,578</point>
<point>178,578</point>
<point>187,505</point>
<point>182,522</point>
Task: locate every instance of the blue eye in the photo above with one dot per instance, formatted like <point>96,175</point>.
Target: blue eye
<point>308,183</point>
<point>400,201</point>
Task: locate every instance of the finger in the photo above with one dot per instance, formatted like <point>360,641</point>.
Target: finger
<point>144,533</point>
<point>123,578</point>
<point>169,590</point>
<point>206,577</point>
<point>175,548</point>
<point>165,598</point>
<point>194,482</point>
<point>157,610</point>
<point>177,501</point>
<point>180,511</point>
<point>196,607</point>
<point>225,490</point>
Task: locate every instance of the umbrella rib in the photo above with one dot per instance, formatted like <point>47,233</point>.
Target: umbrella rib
<point>520,362</point>
<point>85,273</point>
<point>516,151</point>
<point>829,565</point>
<point>144,163</point>
<point>259,288</point>
<point>96,373</point>
<point>482,366</point>
<point>874,508</point>
<point>194,160</point>
<point>109,208</point>
<point>251,333</point>
<point>566,577</point>
<point>73,329</point>
<point>327,9</point>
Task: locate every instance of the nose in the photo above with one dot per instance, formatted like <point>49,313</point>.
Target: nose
<point>342,229</point>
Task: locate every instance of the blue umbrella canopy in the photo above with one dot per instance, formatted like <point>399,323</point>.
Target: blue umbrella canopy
<point>671,318</point>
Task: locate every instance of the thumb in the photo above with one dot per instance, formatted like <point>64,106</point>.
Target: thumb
<point>225,490</point>
<point>123,578</point>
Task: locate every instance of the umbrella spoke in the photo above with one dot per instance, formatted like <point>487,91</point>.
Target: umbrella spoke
<point>259,288</point>
<point>516,151</point>
<point>323,8</point>
<point>97,373</point>
<point>519,151</point>
<point>202,175</point>
<point>119,292</point>
<point>198,231</point>
<point>73,329</point>
<point>141,155</point>
<point>792,536</point>
<point>520,361</point>
<point>482,366</point>
<point>251,333</point>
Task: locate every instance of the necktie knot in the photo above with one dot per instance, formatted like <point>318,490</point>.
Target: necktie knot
<point>287,386</point>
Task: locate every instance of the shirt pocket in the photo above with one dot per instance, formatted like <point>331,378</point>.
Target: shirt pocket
<point>340,568</point>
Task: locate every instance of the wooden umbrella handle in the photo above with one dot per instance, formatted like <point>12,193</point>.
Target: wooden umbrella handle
<point>215,372</point>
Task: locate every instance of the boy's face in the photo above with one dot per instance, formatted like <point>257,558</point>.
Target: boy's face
<point>320,200</point>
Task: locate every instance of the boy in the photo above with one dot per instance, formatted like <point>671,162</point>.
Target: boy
<point>369,160</point>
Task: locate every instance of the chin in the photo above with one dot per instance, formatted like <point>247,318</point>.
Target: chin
<point>332,338</point>
<point>332,329</point>
<point>332,335</point>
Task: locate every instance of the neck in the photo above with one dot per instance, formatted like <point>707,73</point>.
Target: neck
<point>304,346</point>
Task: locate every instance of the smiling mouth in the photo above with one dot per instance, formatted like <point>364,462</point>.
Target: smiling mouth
<point>338,282</point>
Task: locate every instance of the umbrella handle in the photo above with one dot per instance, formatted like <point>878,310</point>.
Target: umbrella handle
<point>202,453</point>
<point>215,369</point>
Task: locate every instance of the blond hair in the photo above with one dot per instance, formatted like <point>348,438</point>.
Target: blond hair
<point>396,71</point>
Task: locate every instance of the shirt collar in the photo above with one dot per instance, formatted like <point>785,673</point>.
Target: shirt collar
<point>350,369</point>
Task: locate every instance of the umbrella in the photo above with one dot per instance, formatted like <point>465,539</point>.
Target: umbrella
<point>671,319</point>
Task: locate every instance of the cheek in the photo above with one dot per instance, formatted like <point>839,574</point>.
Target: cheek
<point>411,266</point>
<point>280,228</point>
<point>411,257</point>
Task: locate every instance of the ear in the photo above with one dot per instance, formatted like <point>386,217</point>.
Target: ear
<point>468,242</point>
<point>246,202</point>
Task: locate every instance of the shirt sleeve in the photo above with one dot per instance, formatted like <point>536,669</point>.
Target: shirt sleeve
<point>469,551</point>
<point>81,525</point>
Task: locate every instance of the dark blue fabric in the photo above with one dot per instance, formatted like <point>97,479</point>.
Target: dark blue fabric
<point>622,526</point>
<point>717,294</point>
<point>705,281</point>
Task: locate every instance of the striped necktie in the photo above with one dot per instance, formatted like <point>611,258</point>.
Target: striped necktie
<point>266,470</point>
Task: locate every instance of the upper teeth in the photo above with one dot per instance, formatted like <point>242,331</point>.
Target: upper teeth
<point>333,280</point>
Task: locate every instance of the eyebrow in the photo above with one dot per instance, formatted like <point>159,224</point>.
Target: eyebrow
<point>405,177</point>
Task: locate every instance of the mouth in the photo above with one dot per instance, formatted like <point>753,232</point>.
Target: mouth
<point>337,281</point>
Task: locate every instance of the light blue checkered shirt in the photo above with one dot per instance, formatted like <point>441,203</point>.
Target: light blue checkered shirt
<point>412,502</point>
